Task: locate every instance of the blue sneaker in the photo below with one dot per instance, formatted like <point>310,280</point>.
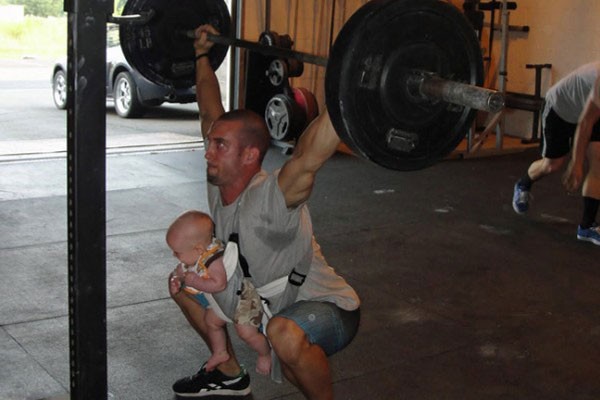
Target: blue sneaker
<point>591,234</point>
<point>520,201</point>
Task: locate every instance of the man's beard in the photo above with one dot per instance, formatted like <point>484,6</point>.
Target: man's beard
<point>212,179</point>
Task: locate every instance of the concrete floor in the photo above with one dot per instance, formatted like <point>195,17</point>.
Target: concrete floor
<point>462,298</point>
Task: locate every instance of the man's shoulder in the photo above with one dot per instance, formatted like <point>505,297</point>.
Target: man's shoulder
<point>262,181</point>
<point>264,196</point>
<point>261,177</point>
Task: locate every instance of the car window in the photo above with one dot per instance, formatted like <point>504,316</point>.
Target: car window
<point>112,35</point>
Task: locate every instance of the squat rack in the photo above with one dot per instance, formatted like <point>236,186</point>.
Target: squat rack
<point>86,193</point>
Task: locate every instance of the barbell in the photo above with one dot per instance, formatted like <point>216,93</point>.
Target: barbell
<point>403,77</point>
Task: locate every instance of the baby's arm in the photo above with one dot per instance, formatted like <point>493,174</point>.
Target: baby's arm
<point>214,281</point>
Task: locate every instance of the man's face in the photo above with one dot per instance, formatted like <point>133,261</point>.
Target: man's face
<point>223,153</point>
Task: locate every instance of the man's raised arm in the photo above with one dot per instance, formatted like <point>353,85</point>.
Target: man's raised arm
<point>208,93</point>
<point>318,142</point>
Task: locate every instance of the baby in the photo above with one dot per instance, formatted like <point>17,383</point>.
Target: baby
<point>201,269</point>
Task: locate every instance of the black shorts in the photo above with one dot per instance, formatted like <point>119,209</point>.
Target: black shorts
<point>558,135</point>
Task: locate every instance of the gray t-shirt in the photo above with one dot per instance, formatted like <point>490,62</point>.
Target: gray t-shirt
<point>568,96</point>
<point>596,92</point>
<point>275,240</point>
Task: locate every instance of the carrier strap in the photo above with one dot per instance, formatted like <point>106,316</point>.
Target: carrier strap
<point>234,237</point>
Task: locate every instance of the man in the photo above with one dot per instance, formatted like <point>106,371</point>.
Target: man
<point>571,114</point>
<point>318,312</point>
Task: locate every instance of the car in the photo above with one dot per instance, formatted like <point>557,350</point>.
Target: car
<point>130,91</point>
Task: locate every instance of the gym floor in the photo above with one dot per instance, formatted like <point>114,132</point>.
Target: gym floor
<point>462,298</point>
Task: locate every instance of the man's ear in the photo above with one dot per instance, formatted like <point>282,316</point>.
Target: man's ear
<point>251,155</point>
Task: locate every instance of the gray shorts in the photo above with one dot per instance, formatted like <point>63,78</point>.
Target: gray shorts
<point>324,323</point>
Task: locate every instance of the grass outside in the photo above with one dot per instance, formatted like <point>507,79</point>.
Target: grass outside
<point>36,37</point>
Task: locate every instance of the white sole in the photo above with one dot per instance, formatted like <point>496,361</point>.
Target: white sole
<point>587,239</point>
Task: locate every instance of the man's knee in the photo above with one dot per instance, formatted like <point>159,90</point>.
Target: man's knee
<point>550,165</point>
<point>286,337</point>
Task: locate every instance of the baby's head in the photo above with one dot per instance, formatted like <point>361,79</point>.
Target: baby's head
<point>190,235</point>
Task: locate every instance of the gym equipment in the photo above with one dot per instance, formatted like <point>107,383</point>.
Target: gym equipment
<point>153,44</point>
<point>284,117</point>
<point>530,102</point>
<point>385,61</point>
<point>277,72</point>
<point>307,102</point>
<point>267,76</point>
<point>288,113</point>
<point>402,79</point>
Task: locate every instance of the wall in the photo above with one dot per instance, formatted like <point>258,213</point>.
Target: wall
<point>562,33</point>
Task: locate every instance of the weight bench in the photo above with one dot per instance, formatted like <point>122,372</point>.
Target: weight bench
<point>530,102</point>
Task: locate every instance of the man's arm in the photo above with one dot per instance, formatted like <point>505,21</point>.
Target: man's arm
<point>208,93</point>
<point>318,142</point>
<point>573,176</point>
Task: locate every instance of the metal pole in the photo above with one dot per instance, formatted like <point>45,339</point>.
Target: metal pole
<point>235,66</point>
<point>266,50</point>
<point>267,15</point>
<point>502,72</point>
<point>274,51</point>
<point>86,192</point>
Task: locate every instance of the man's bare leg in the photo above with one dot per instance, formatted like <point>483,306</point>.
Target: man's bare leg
<point>259,343</point>
<point>591,184</point>
<point>305,365</point>
<point>218,340</point>
<point>545,166</point>
<point>195,314</point>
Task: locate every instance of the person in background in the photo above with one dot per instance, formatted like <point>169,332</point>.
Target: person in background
<point>570,124</point>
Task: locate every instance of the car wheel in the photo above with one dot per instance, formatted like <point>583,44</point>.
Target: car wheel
<point>59,89</point>
<point>127,104</point>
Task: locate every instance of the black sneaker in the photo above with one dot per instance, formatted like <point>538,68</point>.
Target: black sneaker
<point>213,383</point>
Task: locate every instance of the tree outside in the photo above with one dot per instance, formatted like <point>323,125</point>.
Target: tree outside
<point>39,8</point>
<point>42,32</point>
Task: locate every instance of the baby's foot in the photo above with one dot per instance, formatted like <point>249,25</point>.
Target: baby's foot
<point>215,360</point>
<point>263,364</point>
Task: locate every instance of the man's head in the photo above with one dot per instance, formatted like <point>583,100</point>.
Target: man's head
<point>190,235</point>
<point>237,144</point>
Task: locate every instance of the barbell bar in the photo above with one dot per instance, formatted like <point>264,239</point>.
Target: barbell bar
<point>425,86</point>
<point>266,50</point>
<point>430,87</point>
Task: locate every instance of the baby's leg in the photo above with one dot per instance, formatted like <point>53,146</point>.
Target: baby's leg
<point>217,339</point>
<point>259,343</point>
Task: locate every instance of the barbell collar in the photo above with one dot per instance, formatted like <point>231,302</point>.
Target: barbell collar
<point>133,19</point>
<point>431,87</point>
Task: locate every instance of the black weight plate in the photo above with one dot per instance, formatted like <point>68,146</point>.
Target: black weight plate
<point>159,51</point>
<point>371,108</point>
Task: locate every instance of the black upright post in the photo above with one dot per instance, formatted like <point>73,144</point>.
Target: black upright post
<point>86,196</point>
